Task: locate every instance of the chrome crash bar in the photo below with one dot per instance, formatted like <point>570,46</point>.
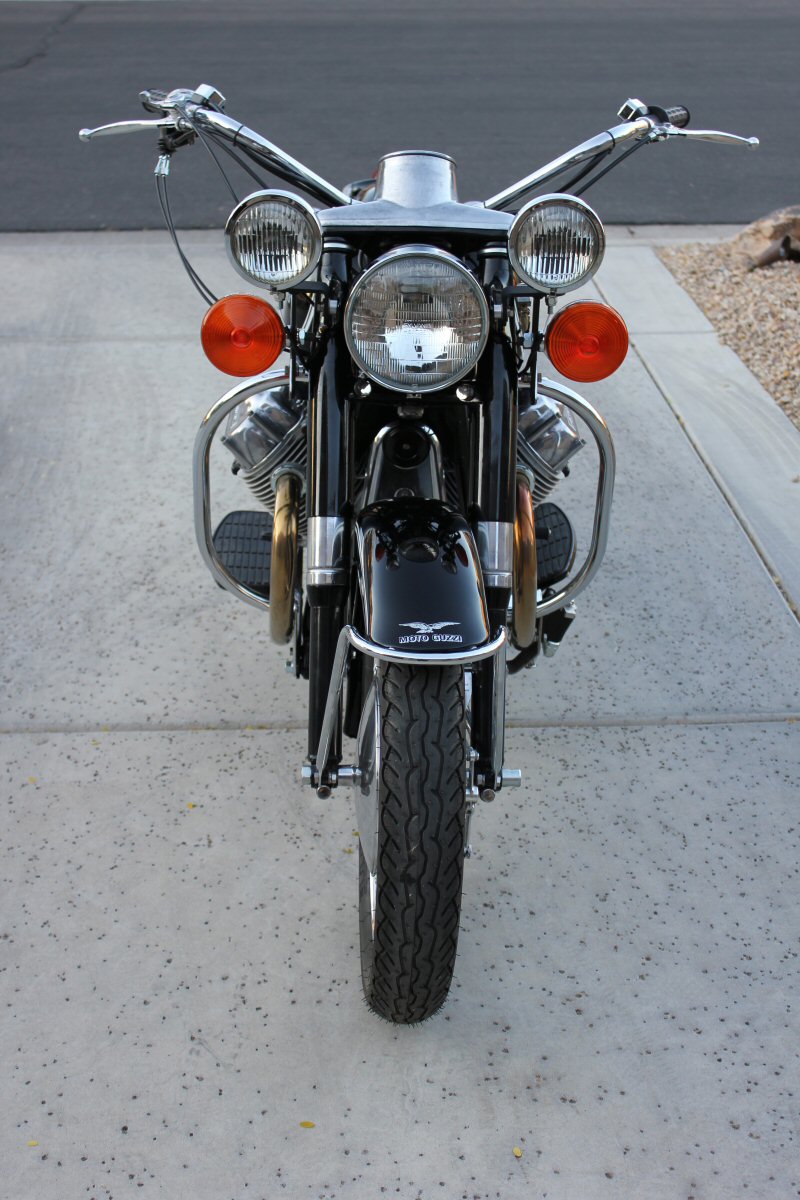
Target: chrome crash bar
<point>202,483</point>
<point>605,490</point>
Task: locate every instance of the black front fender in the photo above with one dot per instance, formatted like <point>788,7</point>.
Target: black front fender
<point>420,576</point>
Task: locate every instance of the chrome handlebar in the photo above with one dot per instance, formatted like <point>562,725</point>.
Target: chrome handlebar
<point>185,110</point>
<point>602,142</point>
<point>269,155</point>
<point>643,128</point>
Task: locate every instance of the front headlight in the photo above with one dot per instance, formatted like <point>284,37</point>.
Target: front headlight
<point>416,320</point>
<point>556,243</point>
<point>274,238</point>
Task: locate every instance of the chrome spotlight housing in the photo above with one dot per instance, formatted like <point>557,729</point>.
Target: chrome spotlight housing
<point>556,243</point>
<point>274,238</point>
<point>417,320</point>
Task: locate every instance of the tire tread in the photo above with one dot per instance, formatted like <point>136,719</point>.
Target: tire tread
<point>421,842</point>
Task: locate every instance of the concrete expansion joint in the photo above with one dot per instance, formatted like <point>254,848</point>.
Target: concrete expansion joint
<point>667,721</point>
<point>99,730</point>
<point>634,722</point>
<point>670,333</point>
<point>744,441</point>
<point>740,516</point>
<point>96,338</point>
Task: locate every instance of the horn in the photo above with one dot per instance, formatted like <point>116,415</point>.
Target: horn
<point>523,622</point>
<point>283,566</point>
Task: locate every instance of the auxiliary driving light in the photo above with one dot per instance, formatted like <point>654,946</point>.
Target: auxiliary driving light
<point>587,341</point>
<point>556,243</point>
<point>274,238</point>
<point>242,335</point>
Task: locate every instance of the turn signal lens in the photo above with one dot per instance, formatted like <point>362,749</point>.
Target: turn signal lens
<point>242,335</point>
<point>587,341</point>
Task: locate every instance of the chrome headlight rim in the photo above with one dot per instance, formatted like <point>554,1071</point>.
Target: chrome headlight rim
<point>293,201</point>
<point>417,251</point>
<point>567,201</point>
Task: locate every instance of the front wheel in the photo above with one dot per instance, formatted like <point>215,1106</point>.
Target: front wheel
<point>411,809</point>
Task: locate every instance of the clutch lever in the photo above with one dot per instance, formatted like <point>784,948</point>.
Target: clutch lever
<point>131,127</point>
<point>154,100</point>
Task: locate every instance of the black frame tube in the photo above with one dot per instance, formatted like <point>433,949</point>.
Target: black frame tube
<point>328,449</point>
<point>494,468</point>
<point>329,487</point>
<point>496,449</point>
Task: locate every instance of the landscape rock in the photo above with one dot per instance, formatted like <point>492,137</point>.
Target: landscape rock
<point>755,239</point>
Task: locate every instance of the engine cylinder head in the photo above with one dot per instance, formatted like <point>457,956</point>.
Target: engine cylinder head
<point>547,438</point>
<point>265,433</point>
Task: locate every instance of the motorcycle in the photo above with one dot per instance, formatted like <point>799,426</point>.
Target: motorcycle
<point>406,547</point>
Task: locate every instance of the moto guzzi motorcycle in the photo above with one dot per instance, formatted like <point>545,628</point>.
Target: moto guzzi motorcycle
<point>405,546</point>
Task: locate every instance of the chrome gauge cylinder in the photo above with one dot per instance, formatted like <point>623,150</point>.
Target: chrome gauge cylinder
<point>266,434</point>
<point>416,178</point>
<point>547,438</point>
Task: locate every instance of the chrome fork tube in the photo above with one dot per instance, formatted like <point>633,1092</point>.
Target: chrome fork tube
<point>499,738</point>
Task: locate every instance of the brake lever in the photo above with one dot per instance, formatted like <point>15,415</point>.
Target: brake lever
<point>130,127</point>
<point>660,132</point>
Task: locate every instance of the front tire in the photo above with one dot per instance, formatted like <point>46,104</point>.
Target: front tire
<point>410,905</point>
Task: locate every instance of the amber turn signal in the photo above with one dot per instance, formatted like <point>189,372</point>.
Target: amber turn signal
<point>242,335</point>
<point>587,341</point>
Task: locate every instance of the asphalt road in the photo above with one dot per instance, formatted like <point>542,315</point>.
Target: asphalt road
<point>503,86</point>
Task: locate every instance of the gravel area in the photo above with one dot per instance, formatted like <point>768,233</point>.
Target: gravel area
<point>755,312</point>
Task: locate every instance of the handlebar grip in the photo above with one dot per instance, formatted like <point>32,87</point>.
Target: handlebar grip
<point>678,115</point>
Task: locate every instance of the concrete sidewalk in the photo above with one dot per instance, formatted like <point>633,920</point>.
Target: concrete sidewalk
<point>181,964</point>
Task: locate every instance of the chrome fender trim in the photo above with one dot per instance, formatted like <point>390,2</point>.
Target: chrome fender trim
<point>351,637</point>
<point>605,490</point>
